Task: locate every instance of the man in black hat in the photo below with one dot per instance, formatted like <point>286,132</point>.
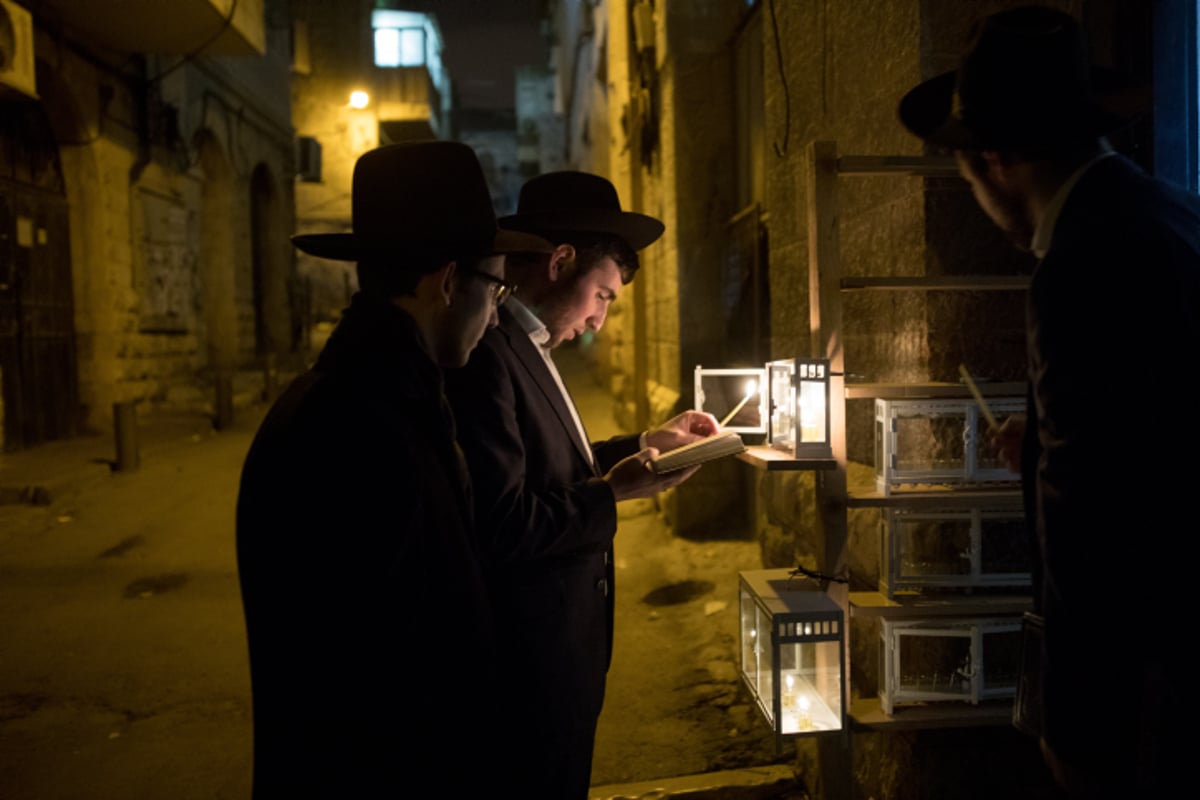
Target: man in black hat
<point>545,494</point>
<point>369,630</point>
<point>1113,313</point>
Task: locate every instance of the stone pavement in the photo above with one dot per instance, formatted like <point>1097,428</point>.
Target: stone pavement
<point>123,671</point>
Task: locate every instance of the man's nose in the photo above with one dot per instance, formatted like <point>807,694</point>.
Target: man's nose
<point>493,316</point>
<point>596,321</point>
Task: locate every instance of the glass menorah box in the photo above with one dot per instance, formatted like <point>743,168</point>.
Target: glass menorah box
<point>938,442</point>
<point>736,396</point>
<point>799,407</point>
<point>792,652</point>
<point>924,551</point>
<point>947,660</point>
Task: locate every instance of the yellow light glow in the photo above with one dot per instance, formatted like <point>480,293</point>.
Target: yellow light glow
<point>751,390</point>
<point>359,99</point>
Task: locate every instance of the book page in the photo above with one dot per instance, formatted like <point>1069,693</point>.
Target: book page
<point>717,446</point>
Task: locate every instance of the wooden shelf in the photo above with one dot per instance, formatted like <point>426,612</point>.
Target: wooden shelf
<point>917,391</point>
<point>917,166</point>
<point>930,497</point>
<point>935,283</point>
<point>768,458</point>
<point>866,713</point>
<point>877,604</point>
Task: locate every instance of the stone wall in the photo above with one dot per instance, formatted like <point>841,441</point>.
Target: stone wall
<point>160,303</point>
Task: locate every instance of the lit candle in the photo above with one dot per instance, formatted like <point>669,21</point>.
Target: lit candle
<point>751,390</point>
<point>804,718</point>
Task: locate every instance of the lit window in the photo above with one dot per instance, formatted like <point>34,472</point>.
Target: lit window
<point>399,47</point>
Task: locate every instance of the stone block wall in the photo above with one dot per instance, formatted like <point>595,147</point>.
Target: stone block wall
<point>131,136</point>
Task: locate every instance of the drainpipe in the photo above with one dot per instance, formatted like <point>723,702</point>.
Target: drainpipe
<point>641,20</point>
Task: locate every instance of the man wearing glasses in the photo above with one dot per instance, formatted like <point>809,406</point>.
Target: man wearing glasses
<point>545,494</point>
<point>366,615</point>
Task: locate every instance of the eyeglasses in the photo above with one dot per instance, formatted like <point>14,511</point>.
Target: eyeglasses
<point>501,289</point>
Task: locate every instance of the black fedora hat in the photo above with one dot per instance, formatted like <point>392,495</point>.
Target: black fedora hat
<point>578,202</point>
<point>423,199</point>
<point>1025,84</point>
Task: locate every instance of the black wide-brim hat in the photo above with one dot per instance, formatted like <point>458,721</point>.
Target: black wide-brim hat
<point>578,202</point>
<point>420,200</point>
<point>1025,84</point>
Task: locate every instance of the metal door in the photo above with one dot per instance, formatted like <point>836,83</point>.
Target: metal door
<point>38,377</point>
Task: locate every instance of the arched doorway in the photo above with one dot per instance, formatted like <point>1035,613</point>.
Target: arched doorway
<point>38,377</point>
<point>217,256</point>
<point>269,267</point>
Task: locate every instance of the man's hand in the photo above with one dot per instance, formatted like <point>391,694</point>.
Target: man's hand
<point>632,477</point>
<point>1007,440</point>
<point>682,429</point>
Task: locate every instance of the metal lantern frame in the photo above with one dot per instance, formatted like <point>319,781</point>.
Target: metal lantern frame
<point>789,627</point>
<point>799,420</point>
<point>959,424</point>
<point>973,535</point>
<point>968,682</point>
<point>704,378</point>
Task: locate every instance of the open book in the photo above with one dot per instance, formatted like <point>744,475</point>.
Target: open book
<point>727,443</point>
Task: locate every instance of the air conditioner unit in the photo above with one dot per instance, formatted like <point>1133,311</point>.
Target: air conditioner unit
<point>16,50</point>
<point>308,159</point>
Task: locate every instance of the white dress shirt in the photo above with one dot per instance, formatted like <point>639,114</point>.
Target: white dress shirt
<point>540,336</point>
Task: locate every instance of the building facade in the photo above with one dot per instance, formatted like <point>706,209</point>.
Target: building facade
<point>146,199</point>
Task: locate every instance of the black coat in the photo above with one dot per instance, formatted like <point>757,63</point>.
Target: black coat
<point>1113,330</point>
<point>546,527</point>
<point>369,632</point>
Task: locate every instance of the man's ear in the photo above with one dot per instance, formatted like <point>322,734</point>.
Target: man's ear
<point>446,280</point>
<point>561,260</point>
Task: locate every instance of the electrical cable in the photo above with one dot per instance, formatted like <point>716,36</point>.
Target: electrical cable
<point>787,101</point>
<point>190,57</point>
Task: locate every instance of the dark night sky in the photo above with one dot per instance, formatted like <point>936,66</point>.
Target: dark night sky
<point>484,41</point>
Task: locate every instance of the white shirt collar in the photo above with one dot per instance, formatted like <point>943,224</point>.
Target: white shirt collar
<point>538,333</point>
<point>1044,232</point>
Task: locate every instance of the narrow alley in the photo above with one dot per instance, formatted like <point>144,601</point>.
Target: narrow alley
<point>124,675</point>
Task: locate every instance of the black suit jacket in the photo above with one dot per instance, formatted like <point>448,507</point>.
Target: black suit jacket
<point>366,613</point>
<point>1113,329</point>
<point>546,527</point>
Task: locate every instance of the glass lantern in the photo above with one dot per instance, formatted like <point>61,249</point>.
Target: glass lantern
<point>799,407</point>
<point>954,548</point>
<point>737,397</point>
<point>965,660</point>
<point>792,652</point>
<point>937,442</point>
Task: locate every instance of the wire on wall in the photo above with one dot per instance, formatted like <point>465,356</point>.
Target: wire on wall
<point>194,54</point>
<point>781,152</point>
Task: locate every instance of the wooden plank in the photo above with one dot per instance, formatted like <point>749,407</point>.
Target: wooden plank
<point>768,458</point>
<point>939,496</point>
<point>917,166</point>
<point>867,713</point>
<point>877,604</point>
<point>917,391</point>
<point>826,337</point>
<point>933,283</point>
